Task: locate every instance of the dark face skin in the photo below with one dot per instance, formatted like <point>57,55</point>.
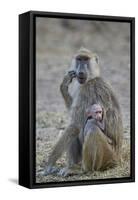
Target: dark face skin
<point>82,66</point>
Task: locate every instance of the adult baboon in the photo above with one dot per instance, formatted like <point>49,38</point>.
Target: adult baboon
<point>82,87</point>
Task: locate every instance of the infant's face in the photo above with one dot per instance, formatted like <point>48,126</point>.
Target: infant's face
<point>95,111</point>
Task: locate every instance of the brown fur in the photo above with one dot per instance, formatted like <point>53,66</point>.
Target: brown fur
<point>98,153</point>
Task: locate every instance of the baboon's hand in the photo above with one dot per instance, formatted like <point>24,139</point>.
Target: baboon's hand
<point>69,77</point>
<point>50,170</point>
<point>72,74</point>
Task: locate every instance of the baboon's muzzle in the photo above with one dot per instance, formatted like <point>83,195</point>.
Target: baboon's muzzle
<point>81,77</point>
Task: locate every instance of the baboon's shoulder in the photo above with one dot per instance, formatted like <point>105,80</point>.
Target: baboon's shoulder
<point>98,82</point>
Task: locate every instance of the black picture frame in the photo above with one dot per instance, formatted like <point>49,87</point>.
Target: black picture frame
<point>27,97</point>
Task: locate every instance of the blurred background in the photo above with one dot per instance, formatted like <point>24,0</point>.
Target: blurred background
<point>57,40</point>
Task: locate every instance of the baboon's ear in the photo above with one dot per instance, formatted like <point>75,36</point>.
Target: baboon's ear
<point>103,114</point>
<point>87,110</point>
<point>96,58</point>
<point>72,66</point>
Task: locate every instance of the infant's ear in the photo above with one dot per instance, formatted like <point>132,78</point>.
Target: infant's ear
<point>96,58</point>
<point>87,110</point>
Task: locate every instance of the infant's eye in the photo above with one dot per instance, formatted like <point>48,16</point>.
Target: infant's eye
<point>98,112</point>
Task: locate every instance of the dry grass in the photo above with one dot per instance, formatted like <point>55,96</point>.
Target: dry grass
<point>46,137</point>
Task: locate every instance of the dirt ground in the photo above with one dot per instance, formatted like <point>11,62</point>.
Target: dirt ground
<point>56,42</point>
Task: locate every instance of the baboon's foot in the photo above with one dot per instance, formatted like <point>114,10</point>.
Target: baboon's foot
<point>66,172</point>
<point>50,170</point>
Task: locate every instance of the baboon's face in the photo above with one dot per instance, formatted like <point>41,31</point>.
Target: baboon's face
<point>95,111</point>
<point>82,68</point>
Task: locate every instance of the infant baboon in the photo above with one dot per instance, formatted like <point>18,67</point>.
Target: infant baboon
<point>82,87</point>
<point>95,114</point>
<point>95,123</point>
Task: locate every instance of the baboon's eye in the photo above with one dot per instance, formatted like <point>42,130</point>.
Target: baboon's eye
<point>82,58</point>
<point>99,112</point>
<point>79,59</point>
